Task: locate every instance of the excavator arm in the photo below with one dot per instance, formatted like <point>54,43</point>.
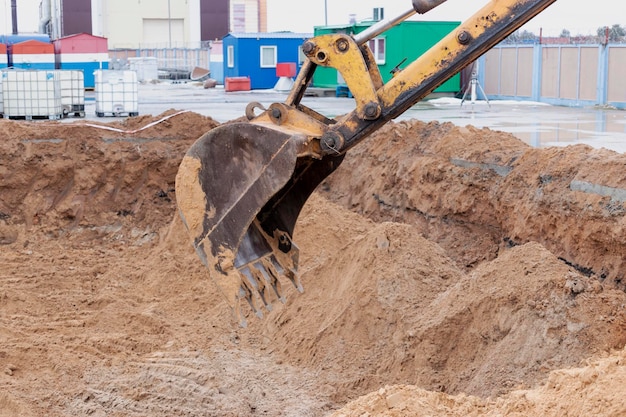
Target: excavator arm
<point>241,186</point>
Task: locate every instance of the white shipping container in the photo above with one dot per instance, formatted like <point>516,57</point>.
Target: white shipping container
<point>32,93</point>
<point>73,92</point>
<point>116,93</point>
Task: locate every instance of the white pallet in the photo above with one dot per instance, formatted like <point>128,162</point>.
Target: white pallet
<point>116,93</point>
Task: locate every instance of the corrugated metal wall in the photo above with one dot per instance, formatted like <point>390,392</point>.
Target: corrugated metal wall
<point>214,15</point>
<point>76,17</point>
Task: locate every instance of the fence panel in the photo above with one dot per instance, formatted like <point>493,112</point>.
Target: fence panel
<point>168,59</point>
<point>550,72</point>
<point>492,71</point>
<point>616,80</point>
<point>571,75</point>
<point>588,83</point>
<point>524,72</point>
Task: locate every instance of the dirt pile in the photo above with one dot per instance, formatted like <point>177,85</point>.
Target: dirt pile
<point>475,191</point>
<point>106,310</point>
<point>63,176</point>
<point>593,390</point>
<point>391,306</point>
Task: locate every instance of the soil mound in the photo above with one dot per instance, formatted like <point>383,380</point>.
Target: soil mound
<point>475,191</point>
<point>593,390</point>
<point>391,306</point>
<point>106,310</point>
<point>72,176</point>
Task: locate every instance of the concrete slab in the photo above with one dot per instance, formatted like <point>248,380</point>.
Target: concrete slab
<point>537,124</point>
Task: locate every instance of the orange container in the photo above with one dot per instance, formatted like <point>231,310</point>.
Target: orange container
<point>33,47</point>
<point>237,84</point>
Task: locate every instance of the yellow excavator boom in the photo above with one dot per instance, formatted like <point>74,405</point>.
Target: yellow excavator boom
<point>241,186</point>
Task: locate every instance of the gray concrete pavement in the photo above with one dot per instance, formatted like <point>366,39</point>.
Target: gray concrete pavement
<point>535,123</point>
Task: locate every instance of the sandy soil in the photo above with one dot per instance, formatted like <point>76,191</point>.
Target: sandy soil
<point>447,271</point>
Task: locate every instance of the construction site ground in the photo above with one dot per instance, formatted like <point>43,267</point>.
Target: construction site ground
<point>450,267</point>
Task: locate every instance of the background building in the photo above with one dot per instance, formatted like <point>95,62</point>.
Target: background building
<point>152,23</point>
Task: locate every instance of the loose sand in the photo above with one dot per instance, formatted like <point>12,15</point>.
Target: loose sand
<point>447,271</point>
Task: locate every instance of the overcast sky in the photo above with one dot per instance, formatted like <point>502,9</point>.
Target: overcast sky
<point>578,16</point>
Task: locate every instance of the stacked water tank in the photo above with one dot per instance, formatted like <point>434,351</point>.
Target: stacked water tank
<point>72,92</point>
<point>48,80</point>
<point>116,93</point>
<point>31,86</point>
<point>32,94</point>
<point>26,93</point>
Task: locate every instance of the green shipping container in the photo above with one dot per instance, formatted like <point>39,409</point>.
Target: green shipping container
<point>409,40</point>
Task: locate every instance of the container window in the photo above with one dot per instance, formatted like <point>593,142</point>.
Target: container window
<point>230,52</point>
<point>377,46</point>
<point>269,56</point>
<point>301,56</point>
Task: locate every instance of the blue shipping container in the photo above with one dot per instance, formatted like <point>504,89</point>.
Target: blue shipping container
<point>255,55</point>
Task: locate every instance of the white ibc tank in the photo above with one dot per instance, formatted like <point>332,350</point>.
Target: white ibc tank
<point>73,92</point>
<point>145,67</point>
<point>116,93</point>
<point>1,97</point>
<point>32,93</point>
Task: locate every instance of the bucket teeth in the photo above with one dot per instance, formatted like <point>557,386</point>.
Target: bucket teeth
<point>295,280</point>
<point>289,273</point>
<point>273,275</point>
<point>251,294</point>
<point>237,308</point>
<point>261,286</point>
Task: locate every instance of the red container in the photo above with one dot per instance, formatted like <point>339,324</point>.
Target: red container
<point>286,69</point>
<point>237,84</point>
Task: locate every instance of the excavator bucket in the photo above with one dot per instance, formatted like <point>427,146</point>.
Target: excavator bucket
<point>239,190</point>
